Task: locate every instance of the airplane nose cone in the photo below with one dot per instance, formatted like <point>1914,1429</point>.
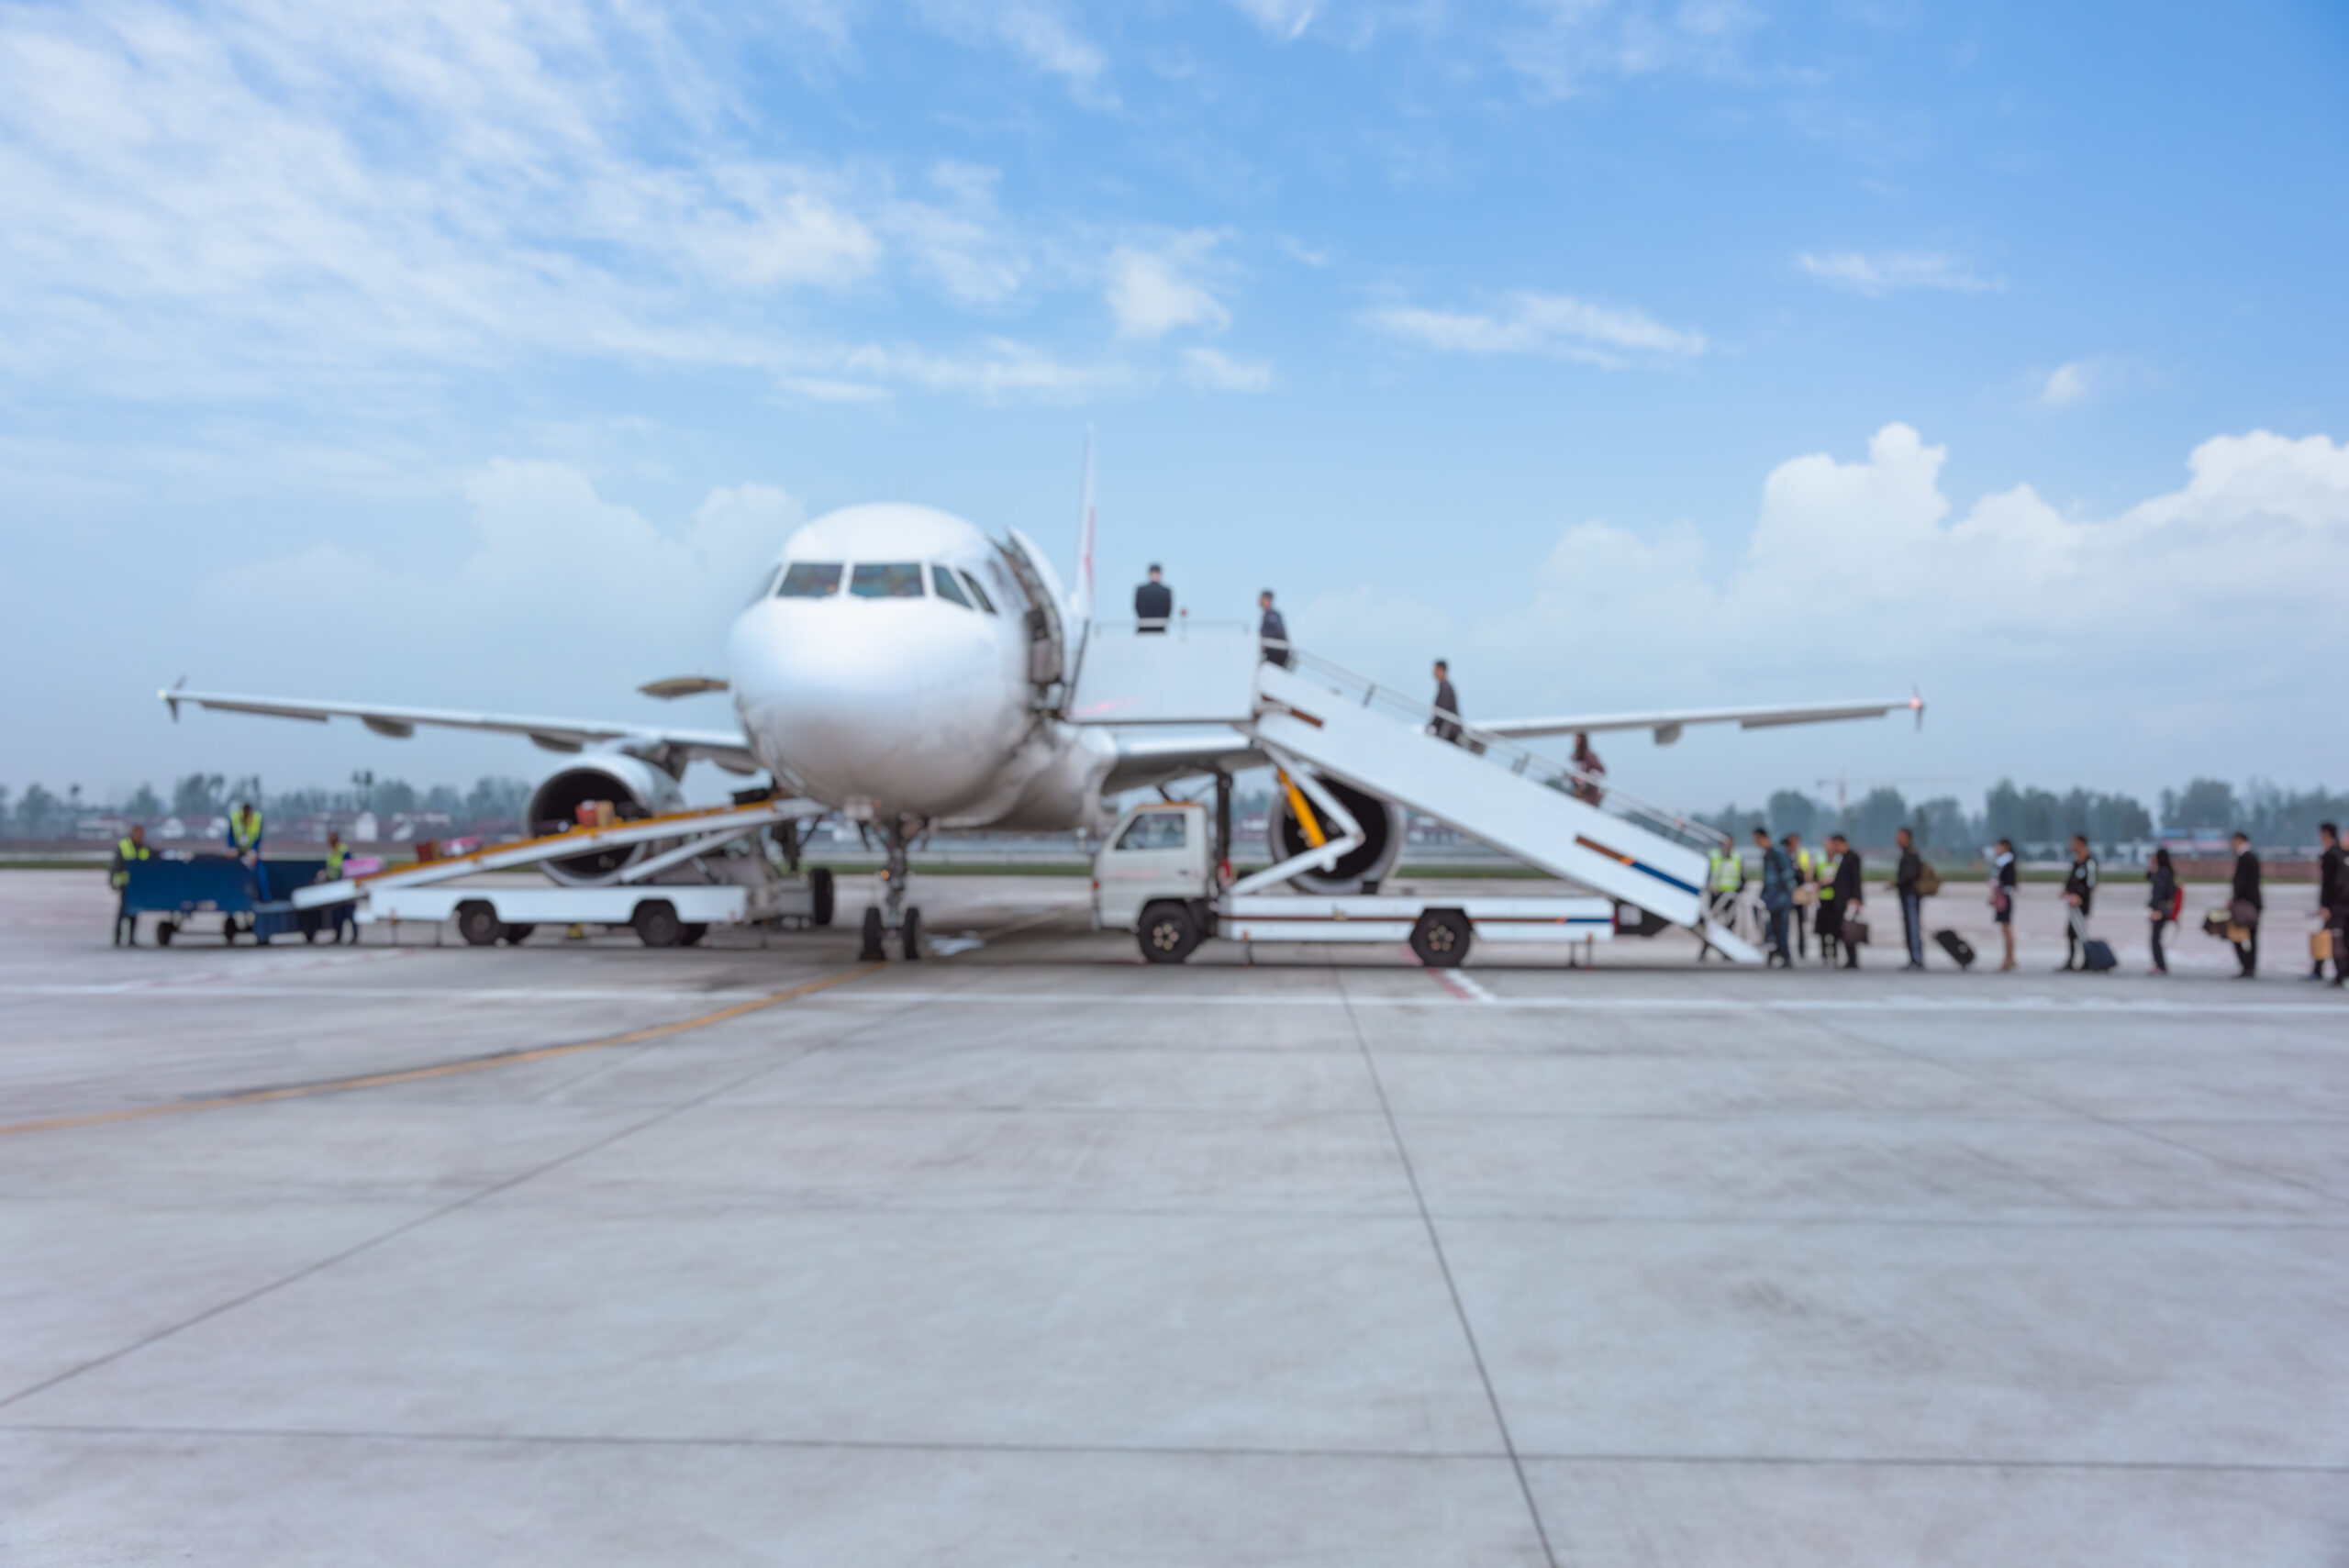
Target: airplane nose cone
<point>863,699</point>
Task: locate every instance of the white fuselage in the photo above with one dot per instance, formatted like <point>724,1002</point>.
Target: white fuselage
<point>885,668</point>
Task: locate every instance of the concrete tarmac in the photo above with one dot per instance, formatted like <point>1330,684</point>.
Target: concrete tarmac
<point>580,1253</point>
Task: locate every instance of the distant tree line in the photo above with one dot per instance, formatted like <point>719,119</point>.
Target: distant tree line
<point>197,798</point>
<point>2040,819</point>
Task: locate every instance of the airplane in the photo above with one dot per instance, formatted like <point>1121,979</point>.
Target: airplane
<point>900,667</point>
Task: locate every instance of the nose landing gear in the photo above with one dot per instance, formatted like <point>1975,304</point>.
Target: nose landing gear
<point>893,913</point>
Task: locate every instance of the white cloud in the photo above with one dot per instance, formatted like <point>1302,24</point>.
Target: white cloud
<point>2131,648</point>
<point>1887,270</point>
<point>2091,380</point>
<point>2066,385</point>
<point>1000,368</point>
<point>1557,325</point>
<point>265,199</point>
<point>1282,18</point>
<point>1213,371</point>
<point>1153,293</point>
<point>543,550</point>
<point>1037,33</point>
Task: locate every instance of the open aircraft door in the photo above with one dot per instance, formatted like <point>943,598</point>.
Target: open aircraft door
<point>1048,653</point>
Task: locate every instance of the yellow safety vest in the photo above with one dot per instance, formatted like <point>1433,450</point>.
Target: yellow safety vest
<point>334,861</point>
<point>1827,866</point>
<point>245,829</point>
<point>1802,865</point>
<point>1728,873</point>
<point>129,851</point>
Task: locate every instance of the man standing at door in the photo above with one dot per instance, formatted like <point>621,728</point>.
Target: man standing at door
<point>1154,602</point>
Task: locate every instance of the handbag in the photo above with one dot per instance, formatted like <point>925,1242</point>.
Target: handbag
<point>1807,895</point>
<point>2321,943</point>
<point>1855,932</point>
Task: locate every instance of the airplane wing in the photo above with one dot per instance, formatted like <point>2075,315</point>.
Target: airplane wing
<point>1145,758</point>
<point>727,748</point>
<point>1667,726</point>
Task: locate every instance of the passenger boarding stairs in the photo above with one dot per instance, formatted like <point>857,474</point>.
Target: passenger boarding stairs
<point>1312,713</point>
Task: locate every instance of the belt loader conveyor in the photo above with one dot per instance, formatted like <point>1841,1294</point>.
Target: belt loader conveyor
<point>662,912</point>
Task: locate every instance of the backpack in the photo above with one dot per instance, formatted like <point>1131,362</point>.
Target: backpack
<point>1929,880</point>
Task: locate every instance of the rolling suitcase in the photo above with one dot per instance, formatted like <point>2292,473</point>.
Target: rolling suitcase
<point>1957,947</point>
<point>2097,955</point>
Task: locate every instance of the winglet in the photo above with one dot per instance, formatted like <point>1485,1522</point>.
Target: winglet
<point>1082,601</point>
<point>171,695</point>
<point>1917,706</point>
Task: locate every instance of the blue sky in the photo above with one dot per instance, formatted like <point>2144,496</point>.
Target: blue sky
<point>1628,355</point>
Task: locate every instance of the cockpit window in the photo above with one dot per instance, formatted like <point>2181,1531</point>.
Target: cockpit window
<point>942,578</point>
<point>1155,830</point>
<point>810,580</point>
<point>885,580</point>
<point>978,592</point>
<point>766,584</point>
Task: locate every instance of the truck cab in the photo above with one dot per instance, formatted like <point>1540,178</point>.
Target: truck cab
<point>1157,854</point>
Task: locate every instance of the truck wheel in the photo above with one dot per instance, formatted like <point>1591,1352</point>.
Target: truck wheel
<point>515,935</point>
<point>693,933</point>
<point>819,895</point>
<point>1167,933</point>
<point>477,922</point>
<point>910,934</point>
<point>1440,938</point>
<point>872,951</point>
<point>657,925</point>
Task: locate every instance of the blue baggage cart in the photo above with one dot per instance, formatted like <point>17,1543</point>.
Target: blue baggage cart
<point>178,888</point>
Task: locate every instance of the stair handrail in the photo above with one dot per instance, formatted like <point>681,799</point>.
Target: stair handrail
<point>1518,758</point>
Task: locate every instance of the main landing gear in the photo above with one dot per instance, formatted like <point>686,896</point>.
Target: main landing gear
<point>893,913</point>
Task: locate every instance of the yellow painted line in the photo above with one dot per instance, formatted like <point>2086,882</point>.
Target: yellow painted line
<point>444,1070</point>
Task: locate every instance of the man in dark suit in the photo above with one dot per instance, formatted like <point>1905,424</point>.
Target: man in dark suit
<point>1447,705</point>
<point>1847,894</point>
<point>2243,909</point>
<point>1906,878</point>
<point>2333,898</point>
<point>1273,632</point>
<point>1154,602</point>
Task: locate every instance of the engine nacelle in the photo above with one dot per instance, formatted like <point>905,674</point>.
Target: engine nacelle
<point>1382,845</point>
<point>635,787</point>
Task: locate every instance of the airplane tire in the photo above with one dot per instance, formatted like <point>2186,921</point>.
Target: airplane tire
<point>164,932</point>
<point>910,934</point>
<point>872,951</point>
<point>1167,933</point>
<point>477,922</point>
<point>657,925</point>
<point>1441,938</point>
<point>819,895</point>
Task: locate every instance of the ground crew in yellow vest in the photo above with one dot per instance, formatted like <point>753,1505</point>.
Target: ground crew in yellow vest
<point>1724,874</point>
<point>134,848</point>
<point>339,914</point>
<point>1827,918</point>
<point>1806,891</point>
<point>244,840</point>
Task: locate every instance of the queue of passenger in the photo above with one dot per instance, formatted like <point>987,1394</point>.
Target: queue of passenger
<point>1801,897</point>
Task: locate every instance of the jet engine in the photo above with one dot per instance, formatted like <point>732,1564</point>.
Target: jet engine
<point>1357,870</point>
<point>634,787</point>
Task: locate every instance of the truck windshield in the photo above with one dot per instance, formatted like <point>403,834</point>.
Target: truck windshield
<point>1157,831</point>
<point>810,580</point>
<point>885,580</point>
